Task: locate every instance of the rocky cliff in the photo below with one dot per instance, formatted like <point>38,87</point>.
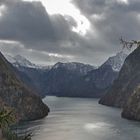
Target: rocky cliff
<point>132,108</point>
<point>127,81</point>
<point>15,94</point>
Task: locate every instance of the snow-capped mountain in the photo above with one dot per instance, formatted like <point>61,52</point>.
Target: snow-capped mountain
<point>104,76</point>
<point>74,67</point>
<point>70,79</point>
<point>20,61</point>
<point>67,79</point>
<point>116,61</point>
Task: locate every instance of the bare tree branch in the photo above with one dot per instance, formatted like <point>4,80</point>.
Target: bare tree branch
<point>129,44</point>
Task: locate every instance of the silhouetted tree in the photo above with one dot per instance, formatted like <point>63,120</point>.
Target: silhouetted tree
<point>129,44</point>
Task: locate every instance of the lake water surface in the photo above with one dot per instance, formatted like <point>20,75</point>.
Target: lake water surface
<point>82,119</point>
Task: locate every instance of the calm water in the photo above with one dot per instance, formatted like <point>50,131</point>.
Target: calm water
<point>82,119</point>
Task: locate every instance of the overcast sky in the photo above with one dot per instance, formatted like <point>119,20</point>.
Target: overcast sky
<point>48,31</point>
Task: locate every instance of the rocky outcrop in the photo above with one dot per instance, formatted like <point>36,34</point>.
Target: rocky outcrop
<point>132,108</point>
<point>127,81</point>
<point>125,91</point>
<point>16,95</point>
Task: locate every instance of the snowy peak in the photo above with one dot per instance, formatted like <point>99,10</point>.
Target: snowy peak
<point>19,60</point>
<point>116,61</point>
<point>23,61</point>
<point>74,66</point>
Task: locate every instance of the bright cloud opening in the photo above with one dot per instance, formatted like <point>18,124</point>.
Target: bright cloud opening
<point>65,7</point>
<point>123,1</point>
<point>2,8</point>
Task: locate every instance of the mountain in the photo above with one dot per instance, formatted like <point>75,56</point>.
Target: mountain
<point>78,68</point>
<point>38,78</point>
<point>116,61</point>
<point>20,61</point>
<point>126,82</point>
<point>66,79</point>
<point>33,77</point>
<point>125,92</point>
<point>131,109</point>
<point>30,73</point>
<point>104,76</point>
<point>79,80</point>
<point>15,94</point>
<point>72,79</point>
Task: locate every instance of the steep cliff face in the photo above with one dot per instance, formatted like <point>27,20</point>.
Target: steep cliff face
<point>132,108</point>
<point>127,81</point>
<point>15,94</point>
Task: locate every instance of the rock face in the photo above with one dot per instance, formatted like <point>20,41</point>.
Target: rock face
<point>127,81</point>
<point>102,77</point>
<point>132,108</point>
<point>16,95</point>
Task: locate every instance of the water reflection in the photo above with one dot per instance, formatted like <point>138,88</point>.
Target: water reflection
<point>82,119</point>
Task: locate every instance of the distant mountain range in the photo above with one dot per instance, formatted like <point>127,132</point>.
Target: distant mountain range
<point>20,61</point>
<point>69,79</point>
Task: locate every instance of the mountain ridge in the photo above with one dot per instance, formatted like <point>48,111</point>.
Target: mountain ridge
<point>63,79</point>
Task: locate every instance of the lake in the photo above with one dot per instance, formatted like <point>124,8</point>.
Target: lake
<point>82,119</point>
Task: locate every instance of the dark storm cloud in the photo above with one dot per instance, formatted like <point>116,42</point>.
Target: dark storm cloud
<point>25,21</point>
<point>29,21</point>
<point>30,25</point>
<point>112,19</point>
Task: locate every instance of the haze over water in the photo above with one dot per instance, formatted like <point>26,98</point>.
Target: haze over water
<point>82,119</point>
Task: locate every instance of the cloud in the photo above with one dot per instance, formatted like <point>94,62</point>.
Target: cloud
<point>23,21</point>
<point>29,23</point>
<point>112,19</point>
<point>49,38</point>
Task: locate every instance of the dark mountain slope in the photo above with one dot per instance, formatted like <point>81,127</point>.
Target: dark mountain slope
<point>16,95</point>
<point>127,81</point>
<point>67,79</point>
